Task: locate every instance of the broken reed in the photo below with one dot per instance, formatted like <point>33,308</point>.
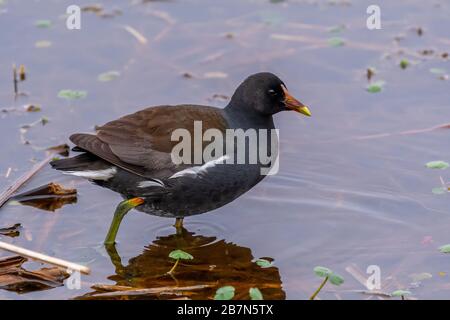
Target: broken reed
<point>22,77</point>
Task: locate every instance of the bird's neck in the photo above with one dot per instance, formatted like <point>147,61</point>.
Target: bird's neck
<point>240,116</point>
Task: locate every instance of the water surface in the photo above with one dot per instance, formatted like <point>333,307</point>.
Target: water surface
<point>342,197</point>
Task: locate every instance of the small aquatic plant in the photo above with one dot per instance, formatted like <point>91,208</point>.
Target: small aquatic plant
<point>401,293</point>
<point>178,255</point>
<point>263,263</point>
<point>224,293</point>
<point>328,275</point>
<point>255,294</point>
<point>445,248</point>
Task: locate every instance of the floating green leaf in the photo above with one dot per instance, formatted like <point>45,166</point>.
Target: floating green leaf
<point>180,254</point>
<point>400,293</point>
<point>437,164</point>
<point>439,190</point>
<point>336,279</point>
<point>42,44</point>
<point>336,42</point>
<point>375,87</point>
<point>404,64</point>
<point>263,263</point>
<point>43,23</point>
<point>445,248</point>
<point>438,71</point>
<point>224,293</point>
<point>322,271</point>
<point>72,94</point>
<point>271,18</point>
<point>255,294</point>
<point>108,76</point>
<point>337,29</point>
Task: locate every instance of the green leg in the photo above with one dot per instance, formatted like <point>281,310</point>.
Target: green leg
<point>121,210</point>
<point>115,258</point>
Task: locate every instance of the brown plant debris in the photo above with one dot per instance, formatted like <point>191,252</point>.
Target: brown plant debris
<point>6,195</point>
<point>49,197</point>
<point>13,277</point>
<point>11,231</point>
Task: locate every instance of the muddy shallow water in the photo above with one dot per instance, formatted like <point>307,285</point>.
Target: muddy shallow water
<point>352,190</point>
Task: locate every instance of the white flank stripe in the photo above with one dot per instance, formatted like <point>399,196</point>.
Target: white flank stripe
<point>104,174</point>
<point>200,169</point>
<point>151,183</point>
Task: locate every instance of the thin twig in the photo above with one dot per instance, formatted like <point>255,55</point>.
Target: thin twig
<point>147,291</point>
<point>6,195</point>
<point>44,258</point>
<point>8,172</point>
<point>139,36</point>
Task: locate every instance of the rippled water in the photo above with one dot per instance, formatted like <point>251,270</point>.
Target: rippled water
<point>344,197</point>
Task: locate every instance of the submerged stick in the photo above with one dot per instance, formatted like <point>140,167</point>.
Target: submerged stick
<point>130,291</point>
<point>139,37</point>
<point>44,258</point>
<point>16,91</point>
<point>6,195</point>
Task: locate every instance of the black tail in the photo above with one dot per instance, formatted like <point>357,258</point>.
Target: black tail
<point>82,162</point>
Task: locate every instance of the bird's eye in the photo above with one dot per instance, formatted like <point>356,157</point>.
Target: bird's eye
<point>272,92</point>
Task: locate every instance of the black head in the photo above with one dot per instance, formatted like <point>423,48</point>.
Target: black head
<point>265,93</point>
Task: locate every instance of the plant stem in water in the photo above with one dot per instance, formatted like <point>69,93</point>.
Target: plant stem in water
<point>174,266</point>
<point>318,289</point>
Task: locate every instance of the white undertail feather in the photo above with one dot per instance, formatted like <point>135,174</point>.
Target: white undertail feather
<point>103,174</point>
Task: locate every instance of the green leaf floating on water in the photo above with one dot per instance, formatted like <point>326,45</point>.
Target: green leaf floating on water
<point>404,64</point>
<point>439,164</point>
<point>224,293</point>
<point>108,76</point>
<point>438,71</point>
<point>272,18</point>
<point>42,44</point>
<point>439,190</point>
<point>445,248</point>
<point>43,23</point>
<point>180,254</point>
<point>375,87</point>
<point>336,279</point>
<point>400,293</point>
<point>322,271</point>
<point>263,263</point>
<point>336,42</point>
<point>337,29</point>
<point>72,94</point>
<point>255,294</point>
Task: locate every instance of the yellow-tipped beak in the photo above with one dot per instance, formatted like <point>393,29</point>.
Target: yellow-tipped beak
<point>304,110</point>
<point>294,104</point>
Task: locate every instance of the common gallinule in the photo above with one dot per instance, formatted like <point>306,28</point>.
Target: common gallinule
<point>134,155</point>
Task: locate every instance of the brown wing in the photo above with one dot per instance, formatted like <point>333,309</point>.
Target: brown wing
<point>140,142</point>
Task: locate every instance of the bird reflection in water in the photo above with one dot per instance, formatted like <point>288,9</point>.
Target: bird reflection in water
<point>215,263</point>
